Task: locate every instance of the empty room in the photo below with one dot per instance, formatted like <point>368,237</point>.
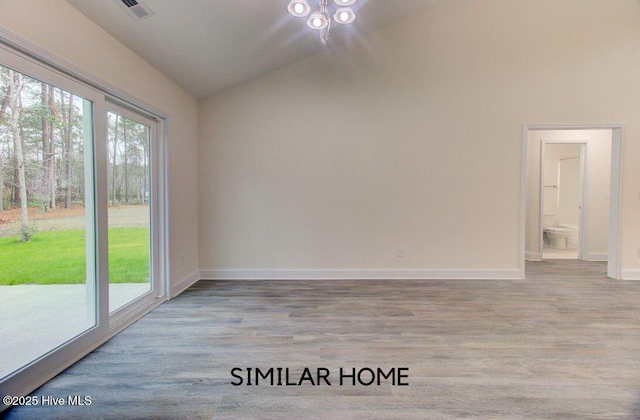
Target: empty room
<point>342,209</point>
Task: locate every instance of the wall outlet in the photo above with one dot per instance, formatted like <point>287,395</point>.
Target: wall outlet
<point>638,252</point>
<point>400,251</point>
<point>182,260</point>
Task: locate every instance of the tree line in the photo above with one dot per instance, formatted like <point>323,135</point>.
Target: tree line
<point>42,150</point>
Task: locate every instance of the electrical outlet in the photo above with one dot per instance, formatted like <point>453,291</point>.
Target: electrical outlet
<point>400,251</point>
<point>638,252</point>
<point>182,260</point>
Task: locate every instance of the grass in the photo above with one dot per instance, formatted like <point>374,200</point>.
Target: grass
<point>59,257</point>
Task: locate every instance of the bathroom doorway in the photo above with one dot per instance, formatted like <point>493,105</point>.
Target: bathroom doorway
<point>563,181</point>
<point>596,162</point>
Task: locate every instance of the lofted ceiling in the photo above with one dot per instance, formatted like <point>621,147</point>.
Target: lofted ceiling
<point>209,45</point>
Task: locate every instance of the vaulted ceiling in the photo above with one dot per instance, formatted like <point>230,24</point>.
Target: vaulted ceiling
<point>209,45</point>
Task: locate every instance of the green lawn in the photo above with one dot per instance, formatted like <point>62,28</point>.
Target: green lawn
<point>59,257</point>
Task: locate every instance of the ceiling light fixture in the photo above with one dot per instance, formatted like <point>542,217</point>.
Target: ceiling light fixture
<point>299,8</point>
<point>344,15</point>
<point>344,3</point>
<point>320,19</point>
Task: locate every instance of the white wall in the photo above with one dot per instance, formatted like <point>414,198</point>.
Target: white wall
<point>411,137</point>
<point>64,32</point>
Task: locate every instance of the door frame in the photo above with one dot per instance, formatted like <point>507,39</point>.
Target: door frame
<point>583,212</point>
<point>614,266</point>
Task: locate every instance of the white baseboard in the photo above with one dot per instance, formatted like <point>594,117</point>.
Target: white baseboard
<point>184,283</point>
<point>532,256</point>
<point>362,274</point>
<point>631,274</point>
<point>597,256</point>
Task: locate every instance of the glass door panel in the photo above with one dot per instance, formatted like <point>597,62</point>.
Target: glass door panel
<point>47,222</point>
<point>129,212</point>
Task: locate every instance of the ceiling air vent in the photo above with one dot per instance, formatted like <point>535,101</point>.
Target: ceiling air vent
<point>136,9</point>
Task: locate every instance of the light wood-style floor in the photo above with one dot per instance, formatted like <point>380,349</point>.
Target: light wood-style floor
<point>562,344</point>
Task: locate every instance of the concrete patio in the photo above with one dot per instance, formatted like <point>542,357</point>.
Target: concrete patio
<point>34,319</point>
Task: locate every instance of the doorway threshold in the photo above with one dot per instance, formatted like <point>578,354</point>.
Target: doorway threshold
<point>559,254</point>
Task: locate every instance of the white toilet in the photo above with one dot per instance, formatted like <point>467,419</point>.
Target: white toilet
<point>554,237</point>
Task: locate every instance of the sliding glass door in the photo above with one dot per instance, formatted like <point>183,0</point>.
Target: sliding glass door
<point>81,221</point>
<point>47,251</point>
<point>129,149</point>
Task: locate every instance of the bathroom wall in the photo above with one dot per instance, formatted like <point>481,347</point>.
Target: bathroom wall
<point>598,168</point>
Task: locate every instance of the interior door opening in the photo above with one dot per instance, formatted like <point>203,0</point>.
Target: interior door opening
<point>563,180</point>
<point>571,194</point>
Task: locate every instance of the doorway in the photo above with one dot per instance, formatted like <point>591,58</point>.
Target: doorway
<point>591,213</point>
<point>563,182</point>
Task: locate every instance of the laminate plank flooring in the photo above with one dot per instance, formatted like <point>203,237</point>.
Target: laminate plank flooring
<point>562,344</point>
